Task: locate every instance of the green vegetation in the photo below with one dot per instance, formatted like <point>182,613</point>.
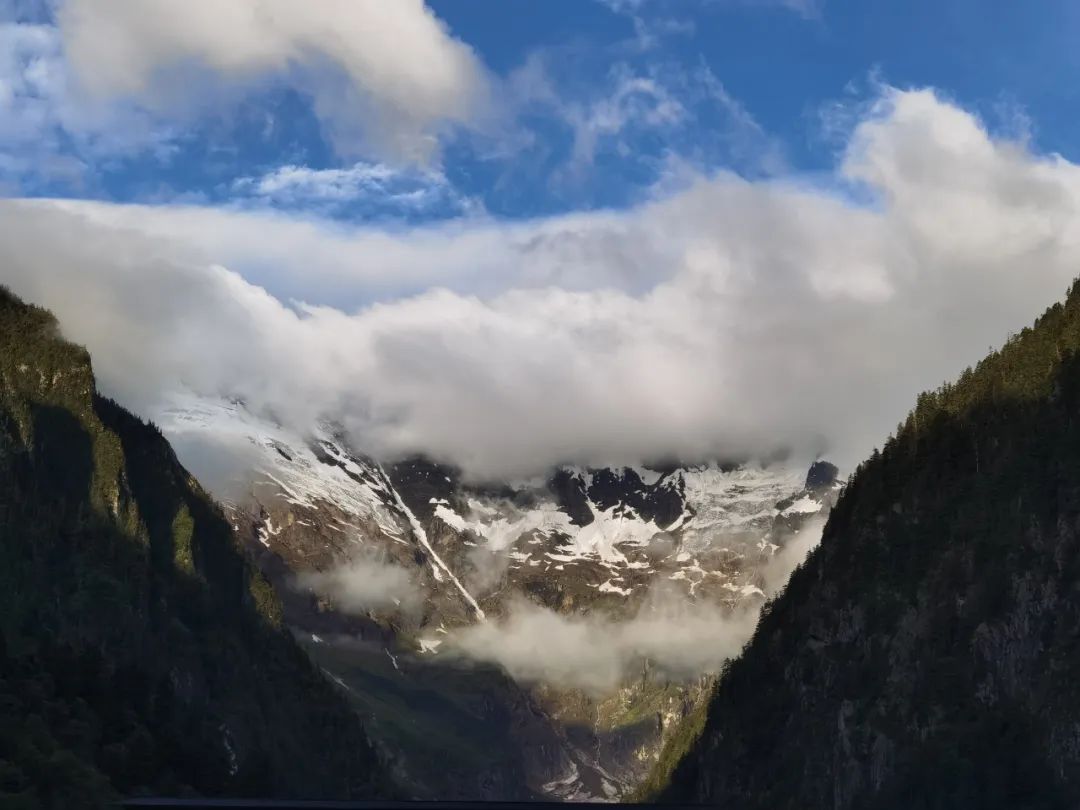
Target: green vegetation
<point>644,705</point>
<point>681,743</point>
<point>927,655</point>
<point>139,653</point>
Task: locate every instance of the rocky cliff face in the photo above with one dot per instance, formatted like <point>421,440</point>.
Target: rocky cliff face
<point>577,542</point>
<point>928,654</point>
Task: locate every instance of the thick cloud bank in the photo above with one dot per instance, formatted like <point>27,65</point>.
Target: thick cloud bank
<point>729,317</point>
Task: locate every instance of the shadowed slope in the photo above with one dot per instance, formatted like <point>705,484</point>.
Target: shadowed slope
<point>928,653</point>
<point>139,653</point>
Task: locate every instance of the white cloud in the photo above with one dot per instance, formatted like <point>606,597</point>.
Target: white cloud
<point>623,6</point>
<point>638,101</point>
<point>729,317</point>
<point>649,117</point>
<point>365,584</point>
<point>808,9</point>
<point>649,30</point>
<point>635,8</point>
<point>384,75</point>
<point>811,9</point>
<point>595,653</point>
<point>383,189</point>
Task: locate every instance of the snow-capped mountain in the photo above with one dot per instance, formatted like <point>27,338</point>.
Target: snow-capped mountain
<point>576,541</point>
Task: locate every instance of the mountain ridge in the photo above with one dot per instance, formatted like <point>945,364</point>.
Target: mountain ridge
<point>140,653</point>
<point>924,655</point>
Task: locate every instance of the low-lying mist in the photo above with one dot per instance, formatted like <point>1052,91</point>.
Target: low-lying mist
<point>595,654</point>
<point>365,584</point>
<point>680,637</point>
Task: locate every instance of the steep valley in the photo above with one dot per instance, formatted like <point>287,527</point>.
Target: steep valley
<point>432,405</point>
<point>589,545</point>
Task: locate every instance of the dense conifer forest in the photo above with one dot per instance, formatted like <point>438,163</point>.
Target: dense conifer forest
<point>927,655</point>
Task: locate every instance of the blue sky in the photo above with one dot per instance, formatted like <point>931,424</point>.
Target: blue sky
<point>594,105</point>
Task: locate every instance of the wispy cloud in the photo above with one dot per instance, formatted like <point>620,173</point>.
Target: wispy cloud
<point>637,8</point>
<point>811,9</point>
<point>643,119</point>
<point>371,190</point>
<point>97,99</point>
<point>48,133</point>
<point>635,103</point>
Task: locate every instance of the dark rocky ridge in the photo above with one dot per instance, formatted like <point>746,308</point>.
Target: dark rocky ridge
<point>821,475</point>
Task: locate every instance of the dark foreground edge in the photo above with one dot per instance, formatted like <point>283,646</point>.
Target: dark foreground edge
<point>237,804</point>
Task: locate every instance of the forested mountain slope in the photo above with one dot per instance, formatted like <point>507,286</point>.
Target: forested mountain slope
<point>139,654</point>
<point>928,652</point>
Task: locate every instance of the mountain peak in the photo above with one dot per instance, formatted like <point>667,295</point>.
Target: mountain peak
<point>821,475</point>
